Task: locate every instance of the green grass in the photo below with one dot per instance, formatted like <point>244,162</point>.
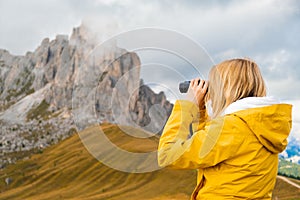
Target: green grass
<point>68,171</point>
<point>40,111</point>
<point>289,169</point>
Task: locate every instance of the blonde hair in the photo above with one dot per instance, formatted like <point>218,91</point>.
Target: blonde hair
<point>232,80</point>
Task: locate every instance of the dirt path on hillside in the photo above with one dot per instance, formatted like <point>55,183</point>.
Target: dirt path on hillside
<point>288,181</point>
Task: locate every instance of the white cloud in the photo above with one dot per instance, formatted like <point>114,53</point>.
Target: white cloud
<point>295,118</point>
<point>267,31</point>
<point>25,23</point>
<point>217,25</point>
<point>228,53</point>
<point>274,61</point>
<point>286,88</point>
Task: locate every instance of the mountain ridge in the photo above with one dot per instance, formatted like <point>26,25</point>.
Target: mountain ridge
<point>70,83</point>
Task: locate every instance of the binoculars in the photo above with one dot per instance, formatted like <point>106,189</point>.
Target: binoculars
<point>184,86</point>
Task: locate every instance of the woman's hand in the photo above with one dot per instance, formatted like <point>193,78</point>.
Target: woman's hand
<point>196,93</point>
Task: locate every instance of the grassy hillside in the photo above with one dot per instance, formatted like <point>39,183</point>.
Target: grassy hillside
<point>68,171</point>
<point>289,169</point>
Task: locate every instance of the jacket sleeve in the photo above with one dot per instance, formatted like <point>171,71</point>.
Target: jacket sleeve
<point>211,143</point>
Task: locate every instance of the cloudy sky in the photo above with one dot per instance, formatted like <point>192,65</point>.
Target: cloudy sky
<point>264,30</point>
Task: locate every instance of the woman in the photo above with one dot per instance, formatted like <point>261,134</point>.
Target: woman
<point>236,149</point>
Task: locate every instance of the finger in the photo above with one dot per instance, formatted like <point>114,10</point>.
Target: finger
<point>205,87</point>
<point>196,82</point>
<point>191,85</point>
<point>201,84</point>
<point>193,82</point>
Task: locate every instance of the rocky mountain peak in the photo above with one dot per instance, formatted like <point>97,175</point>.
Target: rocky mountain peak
<point>68,84</point>
<point>83,35</point>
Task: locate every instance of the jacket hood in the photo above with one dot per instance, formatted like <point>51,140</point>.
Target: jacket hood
<point>267,118</point>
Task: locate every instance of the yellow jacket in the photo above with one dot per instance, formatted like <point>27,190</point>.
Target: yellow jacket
<point>236,154</point>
